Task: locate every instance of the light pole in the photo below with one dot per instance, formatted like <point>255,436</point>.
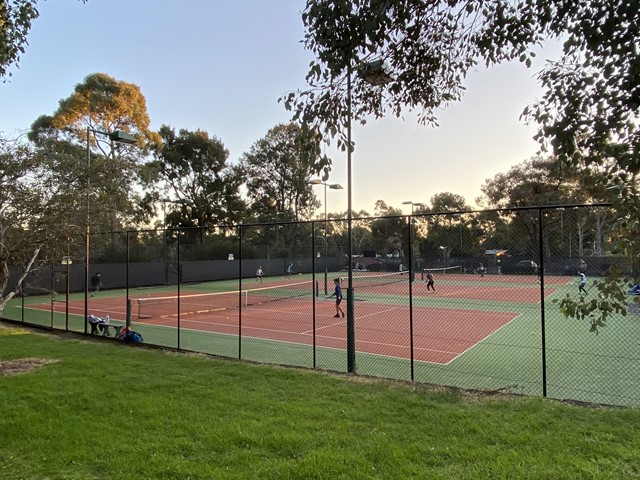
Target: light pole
<point>413,204</point>
<point>332,186</point>
<point>419,205</point>
<point>461,225</point>
<point>164,227</point>
<point>115,136</point>
<point>561,210</point>
<point>278,228</point>
<point>445,253</point>
<point>374,74</point>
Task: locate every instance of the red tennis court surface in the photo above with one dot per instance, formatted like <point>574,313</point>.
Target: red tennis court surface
<point>511,288</point>
<point>439,334</point>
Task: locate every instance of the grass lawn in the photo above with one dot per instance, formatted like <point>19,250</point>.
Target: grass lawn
<point>105,410</point>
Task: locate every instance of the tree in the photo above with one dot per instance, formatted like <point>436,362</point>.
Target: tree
<point>592,95</point>
<point>102,104</point>
<point>16,17</point>
<point>390,234</point>
<point>33,205</point>
<point>424,50</point>
<point>193,167</point>
<point>278,168</point>
<point>591,106</point>
<point>546,181</point>
<point>592,92</point>
<point>455,230</point>
<point>534,182</point>
<point>448,202</point>
<point>537,181</point>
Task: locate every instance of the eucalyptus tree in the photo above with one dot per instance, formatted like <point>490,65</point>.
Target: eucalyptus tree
<point>449,226</point>
<point>34,214</point>
<point>590,106</point>
<point>278,168</point>
<point>107,171</point>
<point>194,170</point>
<point>389,230</point>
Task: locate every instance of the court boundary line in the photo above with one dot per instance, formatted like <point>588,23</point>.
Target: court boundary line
<point>483,339</point>
<point>307,333</point>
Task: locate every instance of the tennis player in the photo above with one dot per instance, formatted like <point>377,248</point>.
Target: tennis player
<point>96,283</point>
<point>259,274</point>
<point>338,294</point>
<point>430,281</point>
<point>583,282</point>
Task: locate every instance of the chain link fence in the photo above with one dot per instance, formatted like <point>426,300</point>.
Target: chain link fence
<point>467,299</point>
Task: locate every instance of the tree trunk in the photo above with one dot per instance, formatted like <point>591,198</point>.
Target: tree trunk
<point>4,277</point>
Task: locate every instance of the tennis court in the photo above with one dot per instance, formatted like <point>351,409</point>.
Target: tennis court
<point>473,332</point>
<point>290,312</point>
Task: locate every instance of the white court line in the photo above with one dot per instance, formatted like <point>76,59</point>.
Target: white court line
<point>480,341</point>
<point>334,324</point>
<point>304,310</point>
<point>79,311</point>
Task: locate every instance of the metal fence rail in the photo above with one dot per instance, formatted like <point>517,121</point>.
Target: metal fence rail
<point>490,319</point>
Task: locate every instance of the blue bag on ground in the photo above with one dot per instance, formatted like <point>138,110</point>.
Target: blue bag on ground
<point>133,337</point>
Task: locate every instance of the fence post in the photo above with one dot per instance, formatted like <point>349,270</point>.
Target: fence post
<point>67,286</point>
<point>126,278</point>
<point>127,321</point>
<point>542,316</point>
<point>240,231</point>
<point>179,265</point>
<point>314,282</point>
<point>51,294</point>
<point>411,274</point>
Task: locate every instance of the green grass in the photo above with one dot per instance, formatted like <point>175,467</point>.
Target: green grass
<point>105,410</point>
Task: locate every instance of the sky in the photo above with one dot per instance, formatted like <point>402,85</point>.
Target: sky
<point>221,66</point>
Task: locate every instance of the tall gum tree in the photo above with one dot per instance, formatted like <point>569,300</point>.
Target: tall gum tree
<point>278,168</point>
<point>103,104</point>
<point>33,223</point>
<point>194,169</point>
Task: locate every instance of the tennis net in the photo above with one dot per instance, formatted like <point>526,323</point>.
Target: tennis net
<point>198,303</point>
<point>375,279</point>
<point>443,270</point>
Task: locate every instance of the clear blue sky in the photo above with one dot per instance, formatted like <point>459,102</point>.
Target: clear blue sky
<point>220,66</point>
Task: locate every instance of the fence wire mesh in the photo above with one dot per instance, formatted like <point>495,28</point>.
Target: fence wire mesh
<point>471,300</point>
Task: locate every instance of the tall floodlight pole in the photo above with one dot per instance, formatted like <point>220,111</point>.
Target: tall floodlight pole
<point>413,204</point>
<point>87,234</point>
<point>164,228</point>
<point>116,136</point>
<point>412,233</point>
<point>351,331</point>
<point>332,186</point>
<point>373,73</point>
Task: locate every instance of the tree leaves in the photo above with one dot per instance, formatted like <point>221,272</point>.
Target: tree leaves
<point>605,298</point>
<point>589,114</point>
<point>424,47</point>
<point>193,167</point>
<point>278,168</point>
<point>16,17</point>
<point>15,22</point>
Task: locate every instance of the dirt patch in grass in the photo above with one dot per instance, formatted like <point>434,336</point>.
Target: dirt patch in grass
<point>22,365</point>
